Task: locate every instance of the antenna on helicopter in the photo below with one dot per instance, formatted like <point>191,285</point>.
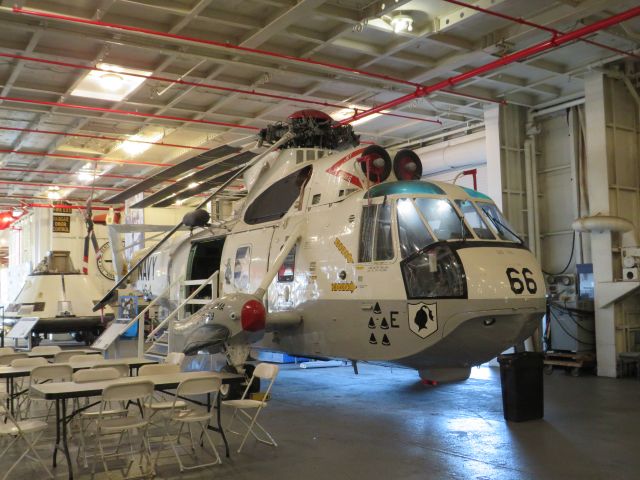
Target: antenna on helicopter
<point>111,293</point>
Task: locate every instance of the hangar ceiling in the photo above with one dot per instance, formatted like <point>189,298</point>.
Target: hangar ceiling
<point>69,111</point>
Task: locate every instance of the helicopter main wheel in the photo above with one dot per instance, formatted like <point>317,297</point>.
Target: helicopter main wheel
<point>235,391</point>
<point>548,369</point>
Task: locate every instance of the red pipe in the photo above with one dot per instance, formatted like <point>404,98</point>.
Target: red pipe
<point>78,187</point>
<point>555,41</point>
<point>85,158</point>
<point>127,112</point>
<point>42,197</point>
<point>228,46</point>
<point>209,86</point>
<point>225,45</point>
<point>100,137</point>
<point>474,173</point>
<point>522,21</point>
<point>63,172</point>
<point>71,207</point>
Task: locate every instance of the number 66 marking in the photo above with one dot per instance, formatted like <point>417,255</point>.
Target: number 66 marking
<point>517,285</point>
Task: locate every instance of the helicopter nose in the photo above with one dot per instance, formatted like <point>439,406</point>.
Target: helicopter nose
<point>502,273</point>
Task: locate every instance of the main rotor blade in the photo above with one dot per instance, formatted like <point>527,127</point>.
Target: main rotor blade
<point>285,138</point>
<point>171,172</point>
<point>206,173</point>
<point>203,187</point>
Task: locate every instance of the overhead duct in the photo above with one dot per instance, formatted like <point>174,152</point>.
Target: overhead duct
<point>453,154</point>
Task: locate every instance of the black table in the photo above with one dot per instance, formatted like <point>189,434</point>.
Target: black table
<point>63,391</point>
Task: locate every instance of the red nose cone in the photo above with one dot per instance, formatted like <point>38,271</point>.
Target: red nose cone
<point>253,316</point>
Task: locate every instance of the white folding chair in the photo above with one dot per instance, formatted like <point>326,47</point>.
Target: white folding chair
<point>46,350</point>
<point>20,382</point>
<point>16,430</point>
<point>263,371</point>
<point>88,416</point>
<point>45,374</point>
<point>65,357</point>
<point>123,368</point>
<point>7,358</point>
<point>136,391</point>
<point>158,405</point>
<point>6,351</point>
<point>174,358</point>
<point>205,385</point>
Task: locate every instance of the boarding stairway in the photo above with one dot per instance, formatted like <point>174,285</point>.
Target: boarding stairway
<point>159,341</point>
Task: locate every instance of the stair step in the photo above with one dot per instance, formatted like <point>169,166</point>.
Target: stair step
<point>198,301</point>
<point>158,348</point>
<point>155,356</point>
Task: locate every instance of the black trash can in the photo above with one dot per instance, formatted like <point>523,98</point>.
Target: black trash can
<point>522,387</point>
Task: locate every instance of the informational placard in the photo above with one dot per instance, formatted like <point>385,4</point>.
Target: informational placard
<point>61,224</point>
<point>113,331</point>
<point>22,328</point>
<point>62,209</point>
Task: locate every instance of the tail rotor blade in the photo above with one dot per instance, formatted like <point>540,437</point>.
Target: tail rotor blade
<point>85,255</point>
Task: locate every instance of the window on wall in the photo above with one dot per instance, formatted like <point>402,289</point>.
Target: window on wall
<point>376,242</point>
<point>287,270</point>
<point>275,201</point>
<point>242,269</point>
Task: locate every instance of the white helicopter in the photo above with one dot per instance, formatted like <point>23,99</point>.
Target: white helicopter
<point>333,256</point>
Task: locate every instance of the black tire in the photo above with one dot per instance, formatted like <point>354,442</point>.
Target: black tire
<point>548,369</point>
<point>575,372</point>
<point>235,391</point>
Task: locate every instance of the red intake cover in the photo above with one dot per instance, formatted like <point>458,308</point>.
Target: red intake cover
<point>253,316</point>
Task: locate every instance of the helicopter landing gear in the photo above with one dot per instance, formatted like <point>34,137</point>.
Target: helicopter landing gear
<point>237,355</point>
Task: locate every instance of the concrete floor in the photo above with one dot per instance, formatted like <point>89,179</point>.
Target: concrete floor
<point>383,424</point>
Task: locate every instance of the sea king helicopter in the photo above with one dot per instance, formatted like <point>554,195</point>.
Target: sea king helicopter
<point>340,252</point>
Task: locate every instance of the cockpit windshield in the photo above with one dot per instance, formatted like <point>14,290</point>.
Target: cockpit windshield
<point>499,223</point>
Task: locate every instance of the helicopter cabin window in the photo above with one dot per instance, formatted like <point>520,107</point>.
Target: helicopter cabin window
<point>376,243</point>
<point>412,232</point>
<point>499,223</point>
<point>442,218</point>
<point>242,268</point>
<point>474,220</point>
<point>287,271</point>
<point>275,201</point>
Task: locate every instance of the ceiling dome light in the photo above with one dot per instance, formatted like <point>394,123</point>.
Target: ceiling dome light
<point>401,22</point>
<point>111,81</point>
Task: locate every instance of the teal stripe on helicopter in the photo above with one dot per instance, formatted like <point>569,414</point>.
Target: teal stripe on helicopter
<point>475,193</point>
<point>412,187</point>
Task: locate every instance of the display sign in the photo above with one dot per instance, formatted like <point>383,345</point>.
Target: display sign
<point>62,209</point>
<point>113,331</point>
<point>22,328</point>
<point>61,224</point>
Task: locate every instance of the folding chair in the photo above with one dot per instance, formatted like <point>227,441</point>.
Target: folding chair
<point>6,351</point>
<point>65,357</point>
<point>84,360</point>
<point>7,358</point>
<point>86,417</point>
<point>181,416</point>
<point>46,350</point>
<point>174,358</point>
<point>136,391</point>
<point>123,368</point>
<point>157,404</point>
<point>263,371</point>
<point>44,374</point>
<point>20,382</point>
<point>16,430</point>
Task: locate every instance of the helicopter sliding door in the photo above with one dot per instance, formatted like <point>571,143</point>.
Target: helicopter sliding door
<point>205,258</point>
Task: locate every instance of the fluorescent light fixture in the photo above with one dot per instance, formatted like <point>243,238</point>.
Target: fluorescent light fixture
<point>54,195</point>
<point>193,184</point>
<point>346,113</point>
<point>110,82</point>
<point>134,145</point>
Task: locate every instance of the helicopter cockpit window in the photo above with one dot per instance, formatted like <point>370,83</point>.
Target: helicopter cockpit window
<point>275,201</point>
<point>442,218</point>
<point>474,220</point>
<point>376,242</point>
<point>499,223</point>
<point>412,232</point>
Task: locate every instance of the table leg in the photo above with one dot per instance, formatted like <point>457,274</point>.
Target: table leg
<point>12,395</point>
<point>218,417</point>
<point>65,445</point>
<point>55,449</point>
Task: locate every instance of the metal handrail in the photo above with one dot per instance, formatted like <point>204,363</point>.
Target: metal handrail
<point>184,302</point>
